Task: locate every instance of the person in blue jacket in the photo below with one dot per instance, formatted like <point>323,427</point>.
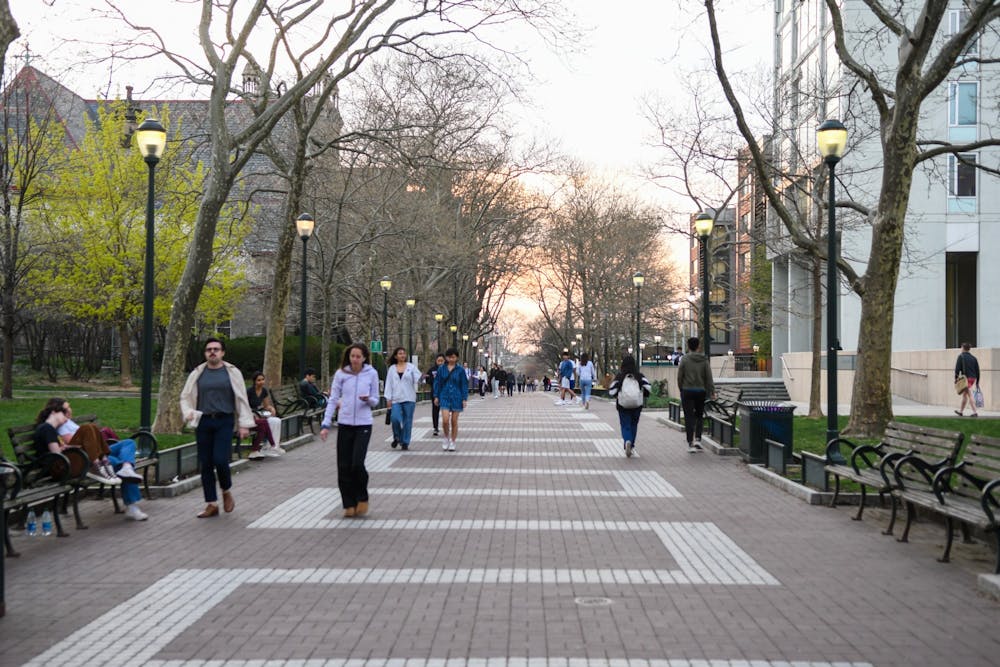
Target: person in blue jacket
<point>353,394</point>
<point>451,392</point>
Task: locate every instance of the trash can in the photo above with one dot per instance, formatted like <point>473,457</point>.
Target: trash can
<point>764,420</point>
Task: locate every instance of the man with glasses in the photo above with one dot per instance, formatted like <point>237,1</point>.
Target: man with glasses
<point>214,402</point>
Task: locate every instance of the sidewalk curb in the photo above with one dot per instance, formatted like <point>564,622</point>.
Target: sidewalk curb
<point>989,584</point>
<point>809,495</point>
<point>183,486</point>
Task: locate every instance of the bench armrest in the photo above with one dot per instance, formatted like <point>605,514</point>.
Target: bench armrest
<point>898,462</point>
<point>14,481</point>
<point>991,499</point>
<point>870,455</point>
<point>942,480</point>
<point>834,453</point>
<point>58,465</point>
<point>147,446</point>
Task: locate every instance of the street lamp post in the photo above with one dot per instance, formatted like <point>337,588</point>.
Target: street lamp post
<point>465,346</point>
<point>439,318</point>
<point>831,137</point>
<point>453,328</point>
<point>411,303</point>
<point>152,139</point>
<point>386,285</point>
<point>637,280</point>
<point>703,225</point>
<point>304,224</point>
<point>756,359</point>
<point>656,339</point>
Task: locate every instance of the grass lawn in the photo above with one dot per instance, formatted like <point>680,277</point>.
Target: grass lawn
<point>121,414</point>
<point>810,434</point>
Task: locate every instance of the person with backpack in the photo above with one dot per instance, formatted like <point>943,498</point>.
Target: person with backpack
<point>694,378</point>
<point>630,388</point>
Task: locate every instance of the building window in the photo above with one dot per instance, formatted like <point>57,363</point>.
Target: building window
<point>962,175</point>
<point>957,18</point>
<point>963,103</point>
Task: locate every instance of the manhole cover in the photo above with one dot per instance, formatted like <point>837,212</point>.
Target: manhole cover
<point>593,602</point>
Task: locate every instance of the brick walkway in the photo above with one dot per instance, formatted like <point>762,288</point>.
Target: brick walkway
<point>536,544</point>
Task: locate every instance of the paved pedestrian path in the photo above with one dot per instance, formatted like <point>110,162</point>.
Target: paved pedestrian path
<point>536,544</point>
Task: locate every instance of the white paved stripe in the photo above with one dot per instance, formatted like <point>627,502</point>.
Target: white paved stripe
<point>635,478</point>
<point>612,447</point>
<point>578,439</point>
<point>506,662</point>
<point>597,426</point>
<point>184,596</point>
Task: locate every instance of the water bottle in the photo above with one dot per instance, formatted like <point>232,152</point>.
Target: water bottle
<point>31,524</point>
<point>46,522</point>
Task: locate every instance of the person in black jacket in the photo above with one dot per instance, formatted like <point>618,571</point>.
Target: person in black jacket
<point>628,418</point>
<point>967,365</point>
<point>429,378</point>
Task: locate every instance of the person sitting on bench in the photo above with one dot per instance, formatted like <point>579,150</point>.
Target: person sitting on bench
<point>310,392</point>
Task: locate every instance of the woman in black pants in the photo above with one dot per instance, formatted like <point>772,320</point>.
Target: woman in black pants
<point>694,377</point>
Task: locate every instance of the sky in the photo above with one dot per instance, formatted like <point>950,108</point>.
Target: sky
<point>588,98</point>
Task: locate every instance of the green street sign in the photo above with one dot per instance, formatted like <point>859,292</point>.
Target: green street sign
<point>376,346</point>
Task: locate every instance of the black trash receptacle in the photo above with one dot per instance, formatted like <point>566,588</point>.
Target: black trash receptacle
<point>764,420</point>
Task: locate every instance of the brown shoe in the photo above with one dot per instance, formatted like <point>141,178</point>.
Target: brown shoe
<point>228,503</point>
<point>210,510</point>
<point>349,512</point>
<point>362,508</point>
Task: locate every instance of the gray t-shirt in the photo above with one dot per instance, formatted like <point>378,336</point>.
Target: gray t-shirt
<point>215,394</point>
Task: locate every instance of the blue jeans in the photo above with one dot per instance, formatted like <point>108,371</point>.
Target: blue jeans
<point>402,421</point>
<point>585,387</point>
<point>215,440</point>
<point>123,451</point>
<point>628,418</point>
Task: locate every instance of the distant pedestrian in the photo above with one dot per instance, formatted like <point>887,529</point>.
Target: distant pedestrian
<point>587,374</point>
<point>483,380</point>
<point>451,390</point>
<point>566,369</point>
<point>967,365</point>
<point>353,394</point>
<point>630,388</point>
<point>401,380</point>
<point>429,378</point>
<point>694,378</point>
<point>214,402</point>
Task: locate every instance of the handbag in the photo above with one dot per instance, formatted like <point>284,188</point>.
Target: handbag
<point>961,384</point>
<point>977,396</point>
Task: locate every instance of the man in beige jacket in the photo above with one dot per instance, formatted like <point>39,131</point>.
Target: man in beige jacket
<point>214,402</point>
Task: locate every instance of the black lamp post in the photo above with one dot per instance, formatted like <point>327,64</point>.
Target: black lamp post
<point>637,280</point>
<point>304,224</point>
<point>703,225</point>
<point>386,285</point>
<point>152,139</point>
<point>439,318</point>
<point>465,346</point>
<point>831,138</point>
<point>411,303</point>
<point>453,328</point>
<point>656,339</point>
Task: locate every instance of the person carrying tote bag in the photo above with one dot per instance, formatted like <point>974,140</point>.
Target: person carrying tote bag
<point>966,377</point>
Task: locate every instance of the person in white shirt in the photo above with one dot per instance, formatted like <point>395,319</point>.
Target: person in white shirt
<point>401,380</point>
<point>586,372</point>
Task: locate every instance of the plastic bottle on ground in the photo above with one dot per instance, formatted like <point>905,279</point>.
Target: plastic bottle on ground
<point>46,523</point>
<point>31,524</point>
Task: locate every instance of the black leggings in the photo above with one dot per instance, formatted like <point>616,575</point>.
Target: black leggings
<point>693,403</point>
<point>435,414</point>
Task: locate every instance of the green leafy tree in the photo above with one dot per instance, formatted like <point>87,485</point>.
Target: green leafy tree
<point>96,220</point>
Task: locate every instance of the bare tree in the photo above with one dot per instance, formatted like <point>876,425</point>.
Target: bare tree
<point>896,94</point>
<point>303,27</point>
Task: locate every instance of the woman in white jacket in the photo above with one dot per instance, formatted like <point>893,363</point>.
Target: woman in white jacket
<point>401,380</point>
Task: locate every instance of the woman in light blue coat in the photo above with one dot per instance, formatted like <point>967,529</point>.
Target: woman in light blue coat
<point>401,380</point>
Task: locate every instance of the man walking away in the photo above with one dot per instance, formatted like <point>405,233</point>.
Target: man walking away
<point>694,378</point>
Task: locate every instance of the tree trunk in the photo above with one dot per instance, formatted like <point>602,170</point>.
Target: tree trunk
<point>817,339</point>
<point>182,315</point>
<point>281,287</point>
<point>125,354</point>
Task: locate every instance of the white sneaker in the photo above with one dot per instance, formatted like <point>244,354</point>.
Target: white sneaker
<point>578,400</point>
<point>270,451</point>
<point>99,473</point>
<point>133,513</point>
<point>259,454</point>
<point>691,448</point>
<point>279,449</point>
<point>628,448</point>
<point>451,446</point>
<point>128,472</point>
<point>444,445</point>
<point>560,402</point>
<point>697,443</point>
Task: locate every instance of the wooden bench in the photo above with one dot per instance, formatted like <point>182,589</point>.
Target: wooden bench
<point>313,410</point>
<point>42,485</point>
<point>22,440</point>
<point>872,465</point>
<point>968,492</point>
<point>724,403</point>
